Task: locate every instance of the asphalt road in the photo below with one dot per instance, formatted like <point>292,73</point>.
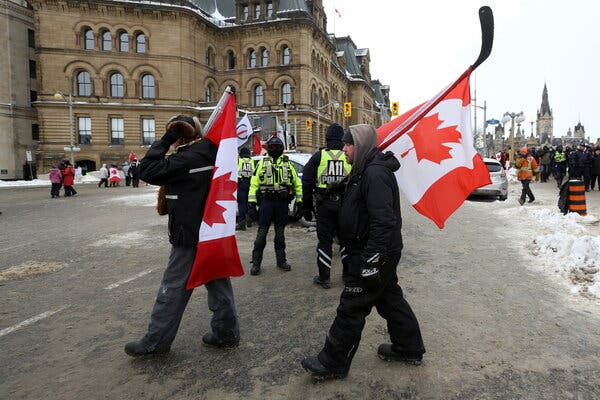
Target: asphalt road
<point>79,277</point>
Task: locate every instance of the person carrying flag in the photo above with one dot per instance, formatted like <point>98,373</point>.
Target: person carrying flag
<point>275,182</point>
<point>322,175</point>
<point>186,176</point>
<point>370,229</point>
<point>245,171</point>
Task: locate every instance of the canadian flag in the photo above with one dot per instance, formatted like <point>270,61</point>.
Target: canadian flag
<point>439,166</point>
<point>217,253</point>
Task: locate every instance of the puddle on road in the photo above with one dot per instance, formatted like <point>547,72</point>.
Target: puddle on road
<point>29,269</point>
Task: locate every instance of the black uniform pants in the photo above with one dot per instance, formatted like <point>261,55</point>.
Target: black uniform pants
<point>327,227</point>
<point>271,211</point>
<point>242,198</point>
<point>356,303</point>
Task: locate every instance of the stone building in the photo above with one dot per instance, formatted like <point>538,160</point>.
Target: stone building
<point>134,64</point>
<point>18,89</point>
<point>545,121</point>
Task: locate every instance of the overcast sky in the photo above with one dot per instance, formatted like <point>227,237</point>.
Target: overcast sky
<point>418,47</point>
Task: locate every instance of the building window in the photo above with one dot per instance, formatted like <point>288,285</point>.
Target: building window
<point>285,55</point>
<point>140,43</point>
<point>35,132</point>
<point>31,38</point>
<point>245,12</point>
<point>84,130</point>
<point>117,89</point>
<point>148,131</point>
<point>256,11</point>
<point>148,87</point>
<point>269,9</point>
<point>230,60</point>
<point>106,41</point>
<point>258,96</point>
<point>84,84</point>
<point>89,39</point>
<point>286,93</point>
<point>32,96</point>
<point>252,59</point>
<point>264,57</point>
<point>124,42</point>
<point>32,69</point>
<point>210,57</point>
<point>208,94</point>
<point>117,133</point>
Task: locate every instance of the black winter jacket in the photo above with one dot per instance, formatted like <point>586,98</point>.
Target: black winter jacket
<point>186,176</point>
<point>370,220</point>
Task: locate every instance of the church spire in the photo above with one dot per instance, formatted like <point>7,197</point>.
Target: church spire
<point>545,109</point>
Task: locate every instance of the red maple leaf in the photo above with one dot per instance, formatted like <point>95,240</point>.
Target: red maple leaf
<point>428,140</point>
<point>222,188</point>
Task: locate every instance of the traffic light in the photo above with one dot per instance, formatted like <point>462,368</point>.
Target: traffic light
<point>309,125</point>
<point>395,109</point>
<point>347,109</point>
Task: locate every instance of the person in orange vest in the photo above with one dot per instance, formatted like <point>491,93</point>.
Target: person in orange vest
<point>527,166</point>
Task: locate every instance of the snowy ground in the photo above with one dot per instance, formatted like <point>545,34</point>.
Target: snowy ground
<point>565,248</point>
<point>43,180</point>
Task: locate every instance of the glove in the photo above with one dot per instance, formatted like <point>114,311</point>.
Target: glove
<point>252,211</point>
<point>307,214</point>
<point>170,136</point>
<point>369,272</point>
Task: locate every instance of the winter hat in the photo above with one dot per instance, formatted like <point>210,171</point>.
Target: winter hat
<point>275,147</point>
<point>334,136</point>
<point>186,127</point>
<point>524,150</point>
<point>245,152</point>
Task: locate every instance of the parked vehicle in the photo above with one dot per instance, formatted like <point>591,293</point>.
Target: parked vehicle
<point>499,186</point>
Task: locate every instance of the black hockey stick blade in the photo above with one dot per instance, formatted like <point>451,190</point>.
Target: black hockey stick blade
<point>486,18</point>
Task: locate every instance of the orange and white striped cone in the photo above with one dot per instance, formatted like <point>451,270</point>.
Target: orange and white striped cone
<point>577,197</point>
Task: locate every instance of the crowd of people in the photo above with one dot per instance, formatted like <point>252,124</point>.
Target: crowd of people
<point>62,175</point>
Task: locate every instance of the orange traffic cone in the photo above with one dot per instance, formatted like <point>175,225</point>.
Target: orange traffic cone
<point>577,197</point>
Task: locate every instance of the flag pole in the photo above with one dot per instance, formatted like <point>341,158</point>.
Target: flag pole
<point>218,110</point>
<point>486,19</point>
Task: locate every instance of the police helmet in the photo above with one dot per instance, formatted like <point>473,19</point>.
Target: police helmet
<point>275,147</point>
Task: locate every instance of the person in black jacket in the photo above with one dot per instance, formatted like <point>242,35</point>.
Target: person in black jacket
<point>595,172</point>
<point>370,231</point>
<point>186,177</point>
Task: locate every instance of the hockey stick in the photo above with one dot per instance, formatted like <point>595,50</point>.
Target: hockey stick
<point>486,19</point>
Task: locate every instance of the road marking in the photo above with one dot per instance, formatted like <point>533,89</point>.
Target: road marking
<point>117,284</point>
<point>30,321</point>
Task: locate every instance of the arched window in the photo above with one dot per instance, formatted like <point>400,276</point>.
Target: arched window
<point>140,43</point>
<point>286,93</point>
<point>285,55</point>
<point>210,57</point>
<point>313,96</point>
<point>258,96</point>
<point>230,60</point>
<point>148,87</point>
<point>88,38</point>
<point>264,57</point>
<point>84,84</point>
<point>251,58</point>
<point>117,89</point>
<point>106,41</point>
<point>124,42</point>
<point>208,94</point>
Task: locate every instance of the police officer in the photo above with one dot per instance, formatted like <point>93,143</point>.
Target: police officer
<point>560,165</point>
<point>275,183</point>
<point>322,175</point>
<point>245,171</point>
<point>370,227</point>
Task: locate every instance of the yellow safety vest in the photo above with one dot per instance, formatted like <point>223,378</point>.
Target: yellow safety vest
<point>245,167</point>
<point>332,169</point>
<point>271,175</point>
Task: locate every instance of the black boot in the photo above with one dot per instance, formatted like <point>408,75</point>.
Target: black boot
<point>319,371</point>
<point>256,261</point>
<point>387,353</point>
<point>211,340</point>
<point>281,260</point>
<point>138,349</point>
<point>324,283</point>
<point>241,226</point>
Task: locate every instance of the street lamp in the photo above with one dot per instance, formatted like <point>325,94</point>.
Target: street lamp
<point>511,116</point>
<point>60,96</point>
<point>335,104</point>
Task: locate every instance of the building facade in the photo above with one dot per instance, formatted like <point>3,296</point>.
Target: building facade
<point>19,129</point>
<point>131,65</point>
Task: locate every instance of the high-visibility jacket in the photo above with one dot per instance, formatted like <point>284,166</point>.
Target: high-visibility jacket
<point>332,169</point>
<point>245,167</point>
<point>560,157</point>
<point>275,176</point>
<point>527,166</point>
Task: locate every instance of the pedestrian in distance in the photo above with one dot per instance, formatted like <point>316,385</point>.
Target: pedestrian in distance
<point>322,176</point>
<point>274,185</point>
<point>587,160</point>
<point>69,179</point>
<point>103,176</point>
<point>370,228</point>
<point>527,167</point>
<point>245,172</point>
<point>560,165</point>
<point>114,177</point>
<point>186,176</point>
<point>126,166</point>
<point>55,177</point>
<point>134,172</point>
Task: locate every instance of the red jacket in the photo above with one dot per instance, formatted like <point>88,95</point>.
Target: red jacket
<point>68,176</point>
